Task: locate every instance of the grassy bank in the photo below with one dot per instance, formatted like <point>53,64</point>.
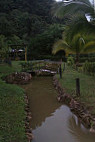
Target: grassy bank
<point>87,86</point>
<point>12,114</point>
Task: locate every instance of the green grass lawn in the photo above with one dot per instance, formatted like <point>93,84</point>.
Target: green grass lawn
<point>12,114</point>
<point>87,86</point>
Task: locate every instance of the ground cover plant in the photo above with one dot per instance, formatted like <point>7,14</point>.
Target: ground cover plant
<point>87,88</point>
<point>12,114</point>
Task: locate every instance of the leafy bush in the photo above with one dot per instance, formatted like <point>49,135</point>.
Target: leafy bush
<point>89,67</point>
<point>26,66</point>
<point>70,61</point>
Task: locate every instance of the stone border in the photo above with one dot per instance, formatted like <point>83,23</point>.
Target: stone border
<point>77,107</point>
<point>19,78</point>
<point>28,129</point>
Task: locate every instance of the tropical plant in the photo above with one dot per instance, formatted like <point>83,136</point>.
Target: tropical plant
<point>80,44</point>
<point>78,24</point>
<point>70,61</point>
<point>67,8</point>
<point>81,22</point>
<point>81,15</point>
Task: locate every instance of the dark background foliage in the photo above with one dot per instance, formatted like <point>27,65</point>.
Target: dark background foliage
<point>31,22</point>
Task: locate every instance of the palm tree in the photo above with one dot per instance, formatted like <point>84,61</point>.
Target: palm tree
<point>81,22</point>
<point>80,44</point>
<point>78,24</point>
<point>79,14</point>
<point>70,7</point>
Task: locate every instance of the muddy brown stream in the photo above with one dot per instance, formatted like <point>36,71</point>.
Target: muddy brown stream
<point>52,121</point>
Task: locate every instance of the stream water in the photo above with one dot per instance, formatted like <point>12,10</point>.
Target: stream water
<point>52,121</point>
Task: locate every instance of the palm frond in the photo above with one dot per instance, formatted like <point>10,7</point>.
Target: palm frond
<point>56,9</point>
<point>78,43</point>
<point>62,9</point>
<point>78,24</point>
<point>59,45</point>
<point>75,25</point>
<point>89,47</point>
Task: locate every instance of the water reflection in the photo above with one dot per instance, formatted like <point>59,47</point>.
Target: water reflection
<point>62,126</point>
<point>79,132</point>
<point>51,121</point>
<point>55,127</point>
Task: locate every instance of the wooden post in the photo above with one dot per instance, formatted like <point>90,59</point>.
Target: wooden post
<point>39,65</point>
<point>60,71</point>
<point>64,67</point>
<point>26,54</point>
<point>77,87</point>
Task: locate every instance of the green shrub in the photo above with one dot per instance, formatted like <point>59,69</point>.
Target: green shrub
<point>70,61</point>
<point>89,67</point>
<point>26,66</point>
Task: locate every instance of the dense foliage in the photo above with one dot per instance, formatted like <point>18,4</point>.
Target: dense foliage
<point>41,45</point>
<point>31,22</point>
<point>24,17</point>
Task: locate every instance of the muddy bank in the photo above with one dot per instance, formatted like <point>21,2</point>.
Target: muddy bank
<point>76,106</point>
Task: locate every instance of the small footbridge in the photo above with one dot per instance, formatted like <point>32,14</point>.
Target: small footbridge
<point>41,67</point>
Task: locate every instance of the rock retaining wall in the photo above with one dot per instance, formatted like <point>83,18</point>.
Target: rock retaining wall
<point>28,129</point>
<point>18,78</point>
<point>77,107</point>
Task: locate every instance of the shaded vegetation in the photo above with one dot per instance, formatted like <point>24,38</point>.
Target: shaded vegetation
<point>24,17</point>
<point>41,45</point>
<point>30,22</point>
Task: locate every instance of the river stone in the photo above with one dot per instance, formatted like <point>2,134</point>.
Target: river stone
<point>18,78</point>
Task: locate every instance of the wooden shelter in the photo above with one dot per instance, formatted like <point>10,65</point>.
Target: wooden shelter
<point>16,48</point>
